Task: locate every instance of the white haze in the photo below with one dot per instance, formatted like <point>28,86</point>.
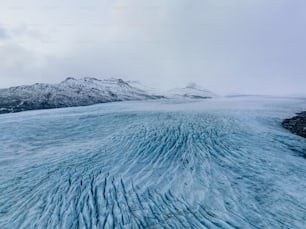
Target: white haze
<point>227,46</point>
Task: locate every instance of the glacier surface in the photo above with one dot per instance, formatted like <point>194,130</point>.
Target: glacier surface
<point>219,163</point>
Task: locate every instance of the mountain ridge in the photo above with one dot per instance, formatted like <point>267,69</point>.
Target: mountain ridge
<point>73,92</point>
<point>69,93</point>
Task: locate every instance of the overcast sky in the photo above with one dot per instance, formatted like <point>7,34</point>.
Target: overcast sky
<point>227,46</point>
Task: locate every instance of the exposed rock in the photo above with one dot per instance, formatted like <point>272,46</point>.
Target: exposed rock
<point>191,91</point>
<point>296,124</point>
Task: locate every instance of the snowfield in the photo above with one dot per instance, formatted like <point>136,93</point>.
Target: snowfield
<point>180,163</point>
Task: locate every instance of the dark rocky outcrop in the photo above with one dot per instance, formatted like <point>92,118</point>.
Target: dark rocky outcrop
<point>296,124</point>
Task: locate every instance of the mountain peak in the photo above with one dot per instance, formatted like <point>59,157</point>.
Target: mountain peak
<point>192,90</point>
<point>69,93</point>
<point>87,91</point>
<point>192,86</point>
<point>69,79</point>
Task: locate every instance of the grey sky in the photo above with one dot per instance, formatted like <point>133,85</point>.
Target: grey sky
<point>227,46</point>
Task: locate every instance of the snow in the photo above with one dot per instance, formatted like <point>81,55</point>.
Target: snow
<point>148,89</point>
<point>87,91</point>
<point>191,91</point>
<point>70,92</point>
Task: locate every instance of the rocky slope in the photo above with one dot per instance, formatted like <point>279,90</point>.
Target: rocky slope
<point>69,93</point>
<point>296,124</point>
<point>192,91</point>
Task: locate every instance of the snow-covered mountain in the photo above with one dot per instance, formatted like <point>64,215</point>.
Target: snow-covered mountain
<point>87,91</point>
<point>148,89</point>
<point>193,91</point>
<point>70,92</point>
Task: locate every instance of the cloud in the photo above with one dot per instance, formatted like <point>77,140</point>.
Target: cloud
<point>3,34</point>
<point>227,46</point>
<point>23,30</point>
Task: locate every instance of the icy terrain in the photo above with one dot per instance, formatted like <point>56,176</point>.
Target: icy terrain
<point>219,163</point>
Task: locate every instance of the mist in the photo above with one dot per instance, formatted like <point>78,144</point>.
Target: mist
<point>227,46</point>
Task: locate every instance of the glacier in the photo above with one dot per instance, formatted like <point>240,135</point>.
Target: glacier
<point>181,163</point>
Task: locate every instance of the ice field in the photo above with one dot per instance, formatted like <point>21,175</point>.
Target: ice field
<point>218,163</point>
